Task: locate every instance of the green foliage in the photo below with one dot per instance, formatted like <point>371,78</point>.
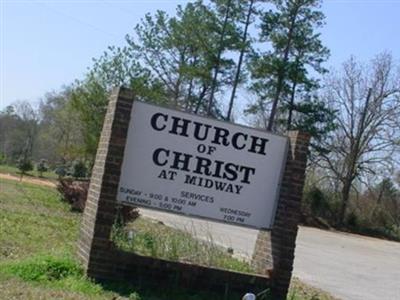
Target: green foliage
<point>54,272</point>
<point>18,134</point>
<point>282,74</point>
<point>61,170</point>
<point>78,169</point>
<point>134,296</point>
<point>24,165</point>
<point>160,241</point>
<point>89,100</point>
<point>41,167</point>
<point>45,268</point>
<point>318,202</point>
<point>3,158</point>
<point>60,131</point>
<point>352,220</point>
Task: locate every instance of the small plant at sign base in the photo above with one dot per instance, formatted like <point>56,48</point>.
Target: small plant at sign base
<point>134,296</point>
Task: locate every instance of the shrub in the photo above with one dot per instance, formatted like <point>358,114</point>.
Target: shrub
<point>61,171</point>
<point>3,158</point>
<point>75,193</point>
<point>78,169</point>
<point>41,167</point>
<point>24,165</point>
<point>352,220</point>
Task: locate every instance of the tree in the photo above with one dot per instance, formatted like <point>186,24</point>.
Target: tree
<point>60,129</point>
<point>41,167</point>
<point>19,123</point>
<point>244,47</point>
<point>186,52</point>
<point>367,99</point>
<point>283,72</point>
<point>176,60</point>
<point>89,101</point>
<point>24,164</point>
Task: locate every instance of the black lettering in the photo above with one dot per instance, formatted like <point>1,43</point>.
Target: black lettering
<point>220,186</point>
<point>235,140</point>
<point>181,124</point>
<point>230,169</point>
<point>154,119</point>
<point>178,160</point>
<point>246,174</point>
<point>217,170</point>
<point>203,164</point>
<point>156,158</point>
<point>197,127</point>
<point>257,142</point>
<point>190,179</point>
<point>221,133</point>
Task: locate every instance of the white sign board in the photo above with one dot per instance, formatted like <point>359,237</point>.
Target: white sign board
<point>196,166</point>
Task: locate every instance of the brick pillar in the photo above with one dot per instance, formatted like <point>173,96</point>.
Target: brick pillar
<point>274,250</point>
<point>94,246</point>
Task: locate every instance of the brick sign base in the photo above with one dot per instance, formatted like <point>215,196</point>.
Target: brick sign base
<point>102,260</point>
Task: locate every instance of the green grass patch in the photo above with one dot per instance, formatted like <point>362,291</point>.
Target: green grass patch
<point>38,234</point>
<point>33,220</point>
<point>63,273</point>
<point>12,170</point>
<point>154,239</point>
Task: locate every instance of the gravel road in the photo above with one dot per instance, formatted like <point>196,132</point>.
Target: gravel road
<point>350,267</point>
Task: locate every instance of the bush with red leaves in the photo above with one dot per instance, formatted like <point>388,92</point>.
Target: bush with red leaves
<point>75,193</point>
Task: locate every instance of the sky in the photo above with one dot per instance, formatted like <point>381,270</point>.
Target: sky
<point>47,44</point>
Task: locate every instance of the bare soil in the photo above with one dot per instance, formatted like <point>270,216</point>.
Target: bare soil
<point>37,181</point>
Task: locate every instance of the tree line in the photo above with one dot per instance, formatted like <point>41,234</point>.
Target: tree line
<point>210,54</point>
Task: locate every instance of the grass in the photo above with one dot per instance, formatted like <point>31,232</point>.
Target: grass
<point>154,239</point>
<point>12,170</point>
<point>38,234</point>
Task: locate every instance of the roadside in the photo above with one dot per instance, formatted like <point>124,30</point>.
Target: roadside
<point>28,179</point>
<point>347,265</point>
<point>37,245</point>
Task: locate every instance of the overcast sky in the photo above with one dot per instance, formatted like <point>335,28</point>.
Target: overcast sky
<point>47,44</point>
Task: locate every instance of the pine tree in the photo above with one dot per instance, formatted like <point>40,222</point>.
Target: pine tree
<point>282,74</point>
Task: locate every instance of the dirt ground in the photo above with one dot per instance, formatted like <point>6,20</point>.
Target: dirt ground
<point>28,179</point>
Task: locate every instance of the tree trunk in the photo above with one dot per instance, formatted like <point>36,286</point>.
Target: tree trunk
<point>345,199</point>
<point>282,72</point>
<point>291,106</point>
<point>217,63</point>
<point>242,51</point>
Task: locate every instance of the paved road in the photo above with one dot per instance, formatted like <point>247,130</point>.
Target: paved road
<point>350,267</point>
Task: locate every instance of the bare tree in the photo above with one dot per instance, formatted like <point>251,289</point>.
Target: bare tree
<point>28,126</point>
<point>367,100</point>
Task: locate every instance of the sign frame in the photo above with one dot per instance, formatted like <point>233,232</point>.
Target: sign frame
<point>102,260</point>
<point>136,184</point>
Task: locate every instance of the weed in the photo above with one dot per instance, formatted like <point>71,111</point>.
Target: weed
<point>157,240</point>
